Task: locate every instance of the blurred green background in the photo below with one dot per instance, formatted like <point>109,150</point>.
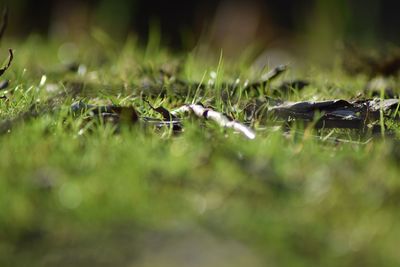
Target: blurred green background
<point>183,23</point>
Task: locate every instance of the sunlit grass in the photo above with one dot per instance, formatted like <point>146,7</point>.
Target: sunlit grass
<point>298,199</point>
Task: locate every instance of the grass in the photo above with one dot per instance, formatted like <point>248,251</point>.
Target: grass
<point>145,197</point>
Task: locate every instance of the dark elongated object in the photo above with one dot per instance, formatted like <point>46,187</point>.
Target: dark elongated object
<point>336,113</point>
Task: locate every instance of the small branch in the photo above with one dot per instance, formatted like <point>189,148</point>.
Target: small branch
<point>218,117</point>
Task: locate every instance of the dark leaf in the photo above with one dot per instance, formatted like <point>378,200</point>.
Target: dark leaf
<point>336,113</point>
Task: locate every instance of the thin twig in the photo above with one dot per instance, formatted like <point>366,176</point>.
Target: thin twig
<point>218,117</point>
